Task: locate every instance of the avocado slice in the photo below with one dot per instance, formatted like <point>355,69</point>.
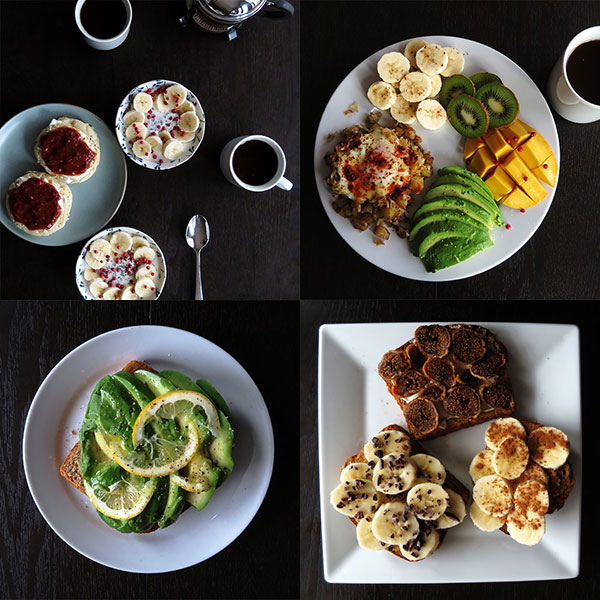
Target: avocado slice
<point>174,505</point>
<point>478,187</point>
<point>138,391</point>
<point>211,391</point>
<point>156,384</point>
<point>462,172</point>
<point>220,449</point>
<point>483,216</point>
<point>436,232</point>
<point>200,499</point>
<point>451,252</point>
<point>444,216</point>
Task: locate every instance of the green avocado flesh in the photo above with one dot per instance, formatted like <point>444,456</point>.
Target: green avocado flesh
<point>114,407</point>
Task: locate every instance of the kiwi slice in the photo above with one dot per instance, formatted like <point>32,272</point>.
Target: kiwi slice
<point>500,103</point>
<point>455,86</point>
<point>480,79</point>
<point>468,116</point>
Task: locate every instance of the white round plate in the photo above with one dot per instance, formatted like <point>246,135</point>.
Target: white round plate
<point>446,146</point>
<point>160,163</point>
<point>51,430</point>
<point>81,265</point>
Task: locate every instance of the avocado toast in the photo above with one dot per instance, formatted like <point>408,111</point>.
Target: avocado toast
<point>150,445</point>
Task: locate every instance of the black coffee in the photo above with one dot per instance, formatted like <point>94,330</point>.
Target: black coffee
<point>583,69</point>
<point>103,19</point>
<point>255,162</point>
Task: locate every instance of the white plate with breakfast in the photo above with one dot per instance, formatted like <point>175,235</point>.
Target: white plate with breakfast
<point>200,465</point>
<point>458,433</point>
<point>468,109</point>
<point>160,124</point>
<point>63,178</point>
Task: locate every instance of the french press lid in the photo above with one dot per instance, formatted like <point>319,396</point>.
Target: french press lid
<point>229,12</point>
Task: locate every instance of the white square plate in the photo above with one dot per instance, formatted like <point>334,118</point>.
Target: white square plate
<point>354,404</point>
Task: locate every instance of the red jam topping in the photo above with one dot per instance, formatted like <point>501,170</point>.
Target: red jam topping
<point>35,204</point>
<point>65,151</point>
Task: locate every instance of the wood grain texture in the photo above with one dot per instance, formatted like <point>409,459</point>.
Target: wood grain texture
<point>555,263</point>
<point>261,562</point>
<point>250,85</point>
<point>318,312</point>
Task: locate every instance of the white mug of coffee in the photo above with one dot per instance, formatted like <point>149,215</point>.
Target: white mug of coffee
<point>255,163</point>
<point>103,25</point>
<point>574,87</point>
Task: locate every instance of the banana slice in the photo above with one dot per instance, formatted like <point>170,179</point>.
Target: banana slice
<point>188,122</point>
<point>183,136</point>
<point>185,106</point>
<point>436,83</point>
<point>89,274</point>
<point>455,513</point>
<point>101,249</point>
<point>177,94</point>
<point>133,116</point>
<point>150,272</point>
<point>92,261</point>
<point>394,524</point>
<point>423,545</point>
<point>382,95</point>
<point>510,458</point>
<point>492,495</point>
<point>428,501</point>
<point>144,252</point>
<point>120,241</point>
<point>403,111</point>
<point>172,149</point>
<point>137,241</point>
<point>499,430</point>
<point>429,468</point>
<point>549,447</point>
<point>111,294</point>
<point>142,148</point>
<point>393,66</point>
<point>456,62</point>
<point>142,102</point>
<point>155,142</point>
<point>356,498</point>
<point>431,114</point>
<point>165,136</point>
<point>145,287</point>
<point>128,293</point>
<point>481,465</point>
<point>526,531</point>
<point>387,442</point>
<point>97,287</point>
<point>394,473</point>
<point>531,499</point>
<point>411,50</point>
<point>366,539</point>
<point>484,521</point>
<point>136,131</point>
<point>356,471</point>
<point>163,103</point>
<point>415,87</point>
<point>431,59</point>
<point>532,472</point>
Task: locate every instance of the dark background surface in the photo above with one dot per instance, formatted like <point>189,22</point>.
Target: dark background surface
<point>316,313</point>
<point>246,86</point>
<point>261,563</point>
<point>557,263</point>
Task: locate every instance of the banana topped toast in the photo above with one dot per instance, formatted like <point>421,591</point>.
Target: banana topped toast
<point>448,377</point>
<point>521,476</point>
<point>399,498</point>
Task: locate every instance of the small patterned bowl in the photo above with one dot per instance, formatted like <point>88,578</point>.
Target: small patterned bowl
<point>160,163</point>
<point>81,265</point>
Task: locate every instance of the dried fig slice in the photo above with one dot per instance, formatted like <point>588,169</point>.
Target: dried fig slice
<point>497,394</point>
<point>491,363</point>
<point>410,383</point>
<point>433,391</point>
<point>467,378</point>
<point>440,370</point>
<point>393,363</point>
<point>467,346</point>
<point>416,356</point>
<point>433,340</point>
<point>462,401</point>
<point>422,415</point>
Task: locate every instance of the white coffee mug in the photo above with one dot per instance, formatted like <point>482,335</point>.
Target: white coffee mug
<point>565,100</point>
<point>277,180</point>
<point>100,43</point>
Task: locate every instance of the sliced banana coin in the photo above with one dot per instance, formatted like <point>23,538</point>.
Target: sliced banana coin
<point>144,252</point>
<point>185,106</point>
<point>421,546</point>
<point>356,498</point>
<point>163,103</point>
<point>411,50</point>
<point>549,447</point>
<point>415,87</point>
<point>492,495</point>
<point>142,102</point>
<point>525,531</point>
<point>138,240</point>
<point>531,499</point>
<point>133,116</point>
<point>100,249</point>
<point>455,513</point>
<point>428,501</point>
<point>356,471</point>
<point>510,458</point>
<point>394,473</point>
<point>141,148</point>
<point>403,111</point>
<point>136,131</point>
<point>436,85</point>
<point>145,287</point>
<point>150,272</point>
<point>456,62</point>
<point>92,261</point>
<point>387,442</point>
<point>112,293</point>
<point>431,114</point>
<point>394,524</point>
<point>155,142</point>
<point>188,122</point>
<point>481,465</point>
<point>501,429</point>
<point>165,136</point>
<point>120,241</point>
<point>429,468</point>
<point>382,95</point>
<point>128,293</point>
<point>172,149</point>
<point>183,136</point>
<point>432,59</point>
<point>97,287</point>
<point>533,471</point>
<point>484,521</point>
<point>90,274</point>
<point>393,66</point>
<point>366,539</point>
<point>176,93</point>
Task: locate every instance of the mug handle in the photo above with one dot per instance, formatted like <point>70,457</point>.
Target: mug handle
<point>278,9</point>
<point>285,184</point>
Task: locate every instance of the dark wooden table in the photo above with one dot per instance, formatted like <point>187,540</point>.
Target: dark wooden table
<point>261,563</point>
<point>558,261</point>
<point>315,313</point>
<point>246,86</point>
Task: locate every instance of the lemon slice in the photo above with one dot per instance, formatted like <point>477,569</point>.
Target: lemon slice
<point>124,499</point>
<point>195,476</point>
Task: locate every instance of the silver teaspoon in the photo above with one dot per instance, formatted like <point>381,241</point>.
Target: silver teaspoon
<point>197,235</point>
